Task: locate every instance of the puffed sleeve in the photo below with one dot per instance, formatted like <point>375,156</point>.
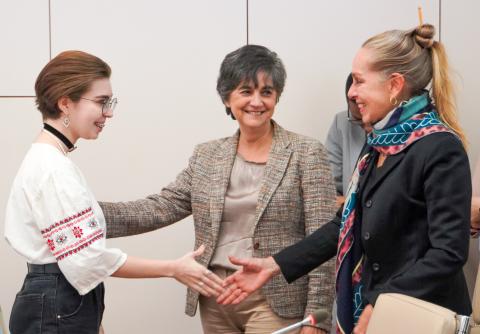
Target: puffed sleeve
<point>73,228</point>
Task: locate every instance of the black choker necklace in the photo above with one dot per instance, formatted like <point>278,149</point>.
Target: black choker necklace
<point>60,136</point>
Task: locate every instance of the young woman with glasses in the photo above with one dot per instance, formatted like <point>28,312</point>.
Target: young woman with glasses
<point>54,221</point>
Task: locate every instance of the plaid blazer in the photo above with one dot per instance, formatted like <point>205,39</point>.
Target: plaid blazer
<point>296,198</point>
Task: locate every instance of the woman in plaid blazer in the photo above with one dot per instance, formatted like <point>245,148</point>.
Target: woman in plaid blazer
<point>293,197</point>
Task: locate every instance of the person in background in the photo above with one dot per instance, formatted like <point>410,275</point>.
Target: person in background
<point>406,218</point>
<point>345,140</point>
<point>251,194</point>
<point>53,220</point>
<point>475,220</point>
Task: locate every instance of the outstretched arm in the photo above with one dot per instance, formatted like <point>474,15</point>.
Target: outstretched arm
<point>299,259</point>
<point>186,270</point>
<point>172,204</point>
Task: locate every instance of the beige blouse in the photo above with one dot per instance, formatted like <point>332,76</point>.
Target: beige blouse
<point>238,221</point>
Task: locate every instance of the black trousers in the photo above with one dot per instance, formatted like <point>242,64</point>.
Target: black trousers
<point>48,304</point>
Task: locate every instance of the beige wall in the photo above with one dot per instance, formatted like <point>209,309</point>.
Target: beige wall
<point>460,32</point>
<point>165,57</point>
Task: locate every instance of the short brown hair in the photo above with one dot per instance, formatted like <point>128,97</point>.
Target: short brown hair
<point>69,74</point>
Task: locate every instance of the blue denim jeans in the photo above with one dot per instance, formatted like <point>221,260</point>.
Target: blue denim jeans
<point>48,304</point>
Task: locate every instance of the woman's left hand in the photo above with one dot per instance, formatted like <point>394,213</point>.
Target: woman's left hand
<point>312,330</point>
<point>362,324</point>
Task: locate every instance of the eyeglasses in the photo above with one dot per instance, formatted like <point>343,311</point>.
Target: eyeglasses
<point>107,104</point>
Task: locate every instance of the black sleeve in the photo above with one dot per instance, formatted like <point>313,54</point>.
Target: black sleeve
<point>299,259</point>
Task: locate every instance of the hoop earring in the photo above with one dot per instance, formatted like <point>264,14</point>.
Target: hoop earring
<point>66,122</point>
<point>393,100</point>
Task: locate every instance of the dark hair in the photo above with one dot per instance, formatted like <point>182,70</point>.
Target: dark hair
<point>348,84</point>
<point>244,64</point>
<point>69,74</point>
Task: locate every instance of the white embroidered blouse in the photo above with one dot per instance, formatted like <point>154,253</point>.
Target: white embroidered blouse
<point>52,216</point>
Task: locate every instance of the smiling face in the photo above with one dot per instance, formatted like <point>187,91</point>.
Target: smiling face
<point>86,118</point>
<point>253,106</point>
<point>371,90</point>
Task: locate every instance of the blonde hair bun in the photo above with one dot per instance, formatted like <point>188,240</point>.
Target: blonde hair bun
<point>423,35</point>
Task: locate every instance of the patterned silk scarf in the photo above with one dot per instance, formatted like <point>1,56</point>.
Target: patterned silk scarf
<point>408,123</point>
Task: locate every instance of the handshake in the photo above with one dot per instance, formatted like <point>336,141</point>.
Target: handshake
<point>252,275</point>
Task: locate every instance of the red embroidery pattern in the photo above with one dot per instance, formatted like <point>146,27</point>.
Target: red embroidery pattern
<point>74,251</point>
<point>70,224</point>
<point>70,235</point>
<point>79,248</point>
<point>78,243</point>
<point>77,232</point>
<point>66,220</point>
<point>61,239</point>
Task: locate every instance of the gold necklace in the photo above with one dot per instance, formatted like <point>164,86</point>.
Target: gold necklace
<point>56,142</point>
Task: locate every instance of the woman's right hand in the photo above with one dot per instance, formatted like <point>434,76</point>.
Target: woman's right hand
<point>255,273</point>
<point>189,272</point>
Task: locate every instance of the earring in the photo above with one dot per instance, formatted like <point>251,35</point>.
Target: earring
<point>393,100</point>
<point>66,122</point>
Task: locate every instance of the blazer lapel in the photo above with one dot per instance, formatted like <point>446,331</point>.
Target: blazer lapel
<point>364,177</point>
<point>382,172</point>
<point>221,170</point>
<point>277,163</point>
